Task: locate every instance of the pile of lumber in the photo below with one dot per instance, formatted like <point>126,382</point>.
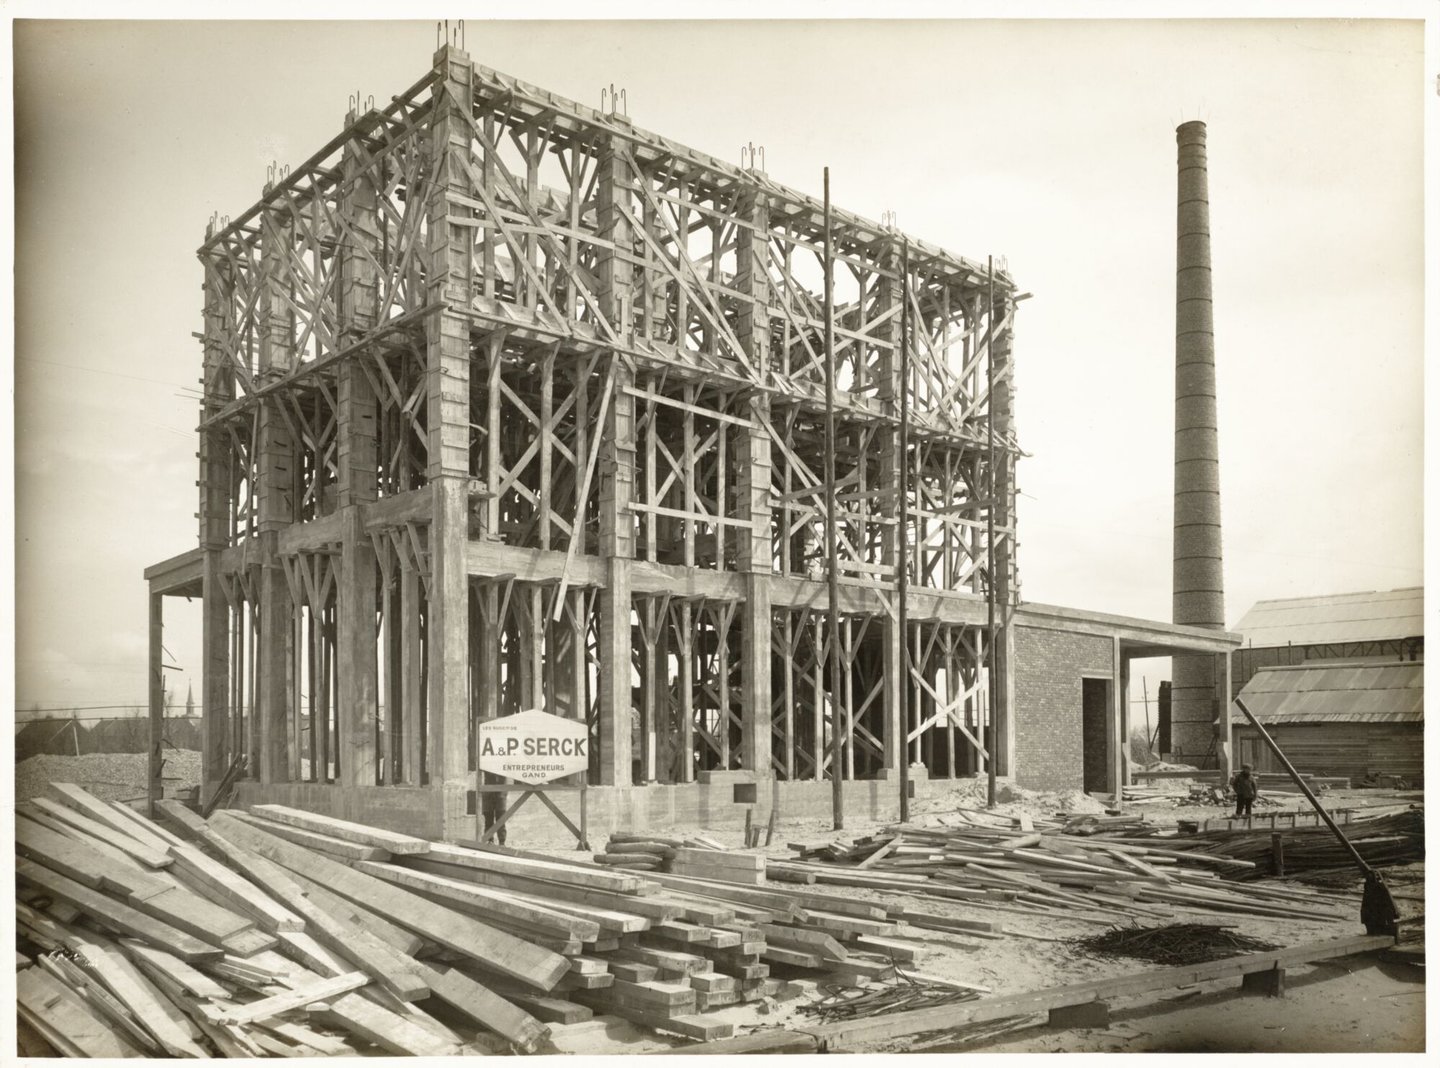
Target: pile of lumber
<point>1043,871</point>
<point>1392,837</point>
<point>275,931</point>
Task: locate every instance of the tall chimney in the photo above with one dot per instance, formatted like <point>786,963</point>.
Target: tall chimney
<point>1199,590</point>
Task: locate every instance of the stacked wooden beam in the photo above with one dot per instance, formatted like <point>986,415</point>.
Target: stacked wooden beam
<point>1393,837</point>
<point>276,931</point>
<point>1044,872</point>
<point>651,852</point>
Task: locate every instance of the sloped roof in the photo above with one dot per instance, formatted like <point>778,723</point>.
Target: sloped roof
<point>1373,692</point>
<point>1345,617</point>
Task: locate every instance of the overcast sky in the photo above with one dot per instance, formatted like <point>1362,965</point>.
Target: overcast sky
<point>1048,143</point>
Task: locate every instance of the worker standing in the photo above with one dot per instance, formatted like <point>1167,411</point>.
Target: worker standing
<point>492,807</point>
<point>1246,790</point>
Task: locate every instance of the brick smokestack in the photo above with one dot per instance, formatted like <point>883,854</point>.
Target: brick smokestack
<point>1199,589</point>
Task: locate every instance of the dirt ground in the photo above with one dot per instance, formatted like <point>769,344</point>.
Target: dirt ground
<point>1355,1005</point>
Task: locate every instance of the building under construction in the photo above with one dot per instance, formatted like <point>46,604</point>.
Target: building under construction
<point>510,404</point>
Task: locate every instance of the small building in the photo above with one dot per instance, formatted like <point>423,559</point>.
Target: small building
<point>1356,720</point>
<point>1337,681</point>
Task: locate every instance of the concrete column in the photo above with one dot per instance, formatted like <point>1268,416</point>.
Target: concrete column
<point>357,588</point>
<point>891,478</point>
<point>447,402</point>
<point>275,493</point>
<point>617,481</point>
<point>754,552</point>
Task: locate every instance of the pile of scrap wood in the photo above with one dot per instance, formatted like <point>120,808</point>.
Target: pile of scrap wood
<point>282,932</point>
<point>1391,837</point>
<point>1172,945</point>
<point>1044,871</point>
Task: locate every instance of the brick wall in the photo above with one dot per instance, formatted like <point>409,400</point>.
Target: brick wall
<point>1049,665</point>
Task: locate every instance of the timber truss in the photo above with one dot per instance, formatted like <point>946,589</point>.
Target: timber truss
<point>511,404</point>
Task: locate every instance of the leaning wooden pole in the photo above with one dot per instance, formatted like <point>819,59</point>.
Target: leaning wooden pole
<point>832,547</point>
<point>990,553</point>
<point>902,546</point>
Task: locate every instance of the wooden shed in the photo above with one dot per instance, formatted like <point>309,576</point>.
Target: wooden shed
<point>1347,719</point>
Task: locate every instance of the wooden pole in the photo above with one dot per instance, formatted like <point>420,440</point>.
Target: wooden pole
<point>903,540</point>
<point>990,738</point>
<point>837,788</point>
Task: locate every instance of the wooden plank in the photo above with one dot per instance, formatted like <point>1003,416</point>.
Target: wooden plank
<point>391,934</point>
<point>495,948</point>
<point>105,832</point>
<point>657,909</point>
<point>568,874</point>
<point>877,1028</point>
<point>386,1029</point>
<point>321,990</point>
<point>325,1045</point>
<point>202,871</point>
<point>82,801</point>
<point>497,903</point>
<point>393,970</point>
<point>810,941</point>
<point>155,1012</point>
<point>484,1006</point>
<point>115,915</point>
<point>191,981</point>
<point>769,1041</point>
<point>325,843</point>
<point>74,860</point>
<point>64,1019</point>
<point>389,841</point>
<point>149,828</point>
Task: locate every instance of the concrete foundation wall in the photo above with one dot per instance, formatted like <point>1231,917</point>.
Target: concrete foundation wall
<point>804,808</point>
<point>1049,725</point>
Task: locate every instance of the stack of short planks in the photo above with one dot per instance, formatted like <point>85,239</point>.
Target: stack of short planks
<point>275,931</point>
<point>1046,872</point>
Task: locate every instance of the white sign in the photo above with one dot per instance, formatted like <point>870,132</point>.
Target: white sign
<point>534,746</point>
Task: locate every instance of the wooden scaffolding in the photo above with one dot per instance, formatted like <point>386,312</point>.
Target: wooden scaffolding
<point>509,403</point>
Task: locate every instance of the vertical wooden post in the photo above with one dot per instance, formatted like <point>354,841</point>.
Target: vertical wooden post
<point>1001,407</point>
<point>216,526</point>
<point>832,551</point>
<point>894,482</point>
<point>447,406</point>
<point>1117,723</point>
<point>155,784</point>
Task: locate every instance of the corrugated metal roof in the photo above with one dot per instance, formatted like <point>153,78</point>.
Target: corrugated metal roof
<point>1346,617</point>
<point>1381,692</point>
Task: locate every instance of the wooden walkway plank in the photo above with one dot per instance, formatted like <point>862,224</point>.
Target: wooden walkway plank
<point>846,1034</point>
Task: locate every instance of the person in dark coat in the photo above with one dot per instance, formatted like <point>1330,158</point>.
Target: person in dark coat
<point>1246,790</point>
<point>493,805</point>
